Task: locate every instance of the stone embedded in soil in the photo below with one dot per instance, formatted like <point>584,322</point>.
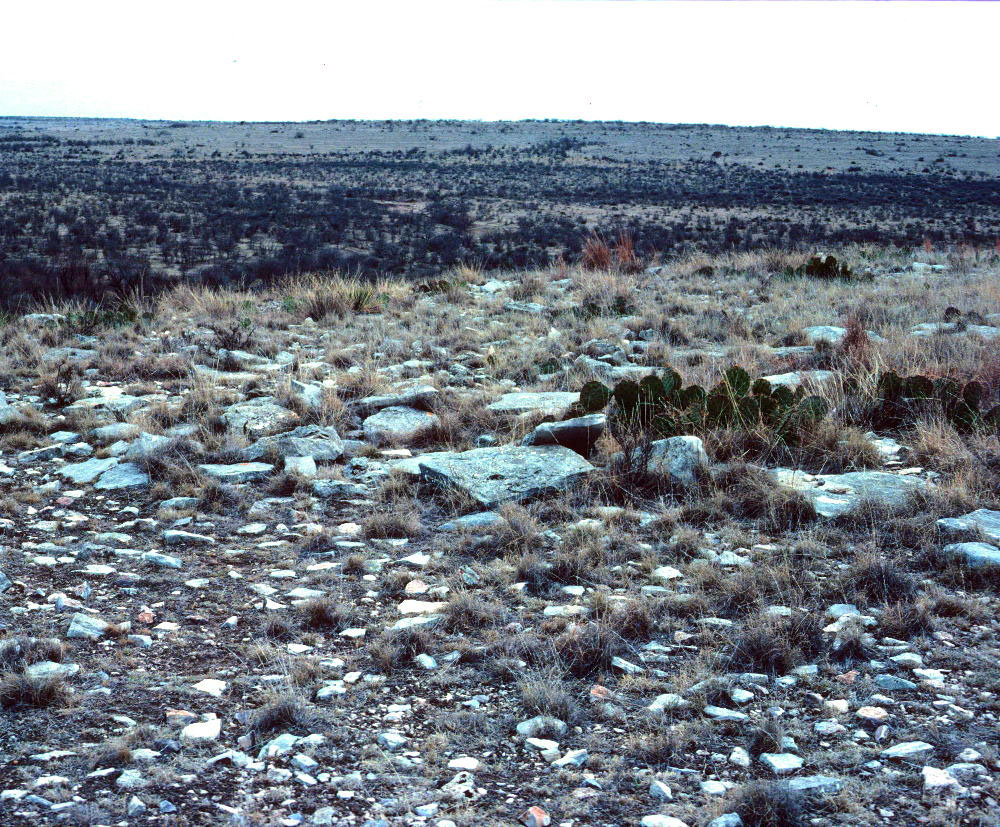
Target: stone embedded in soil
<point>258,417</point>
<point>678,459</point>
<point>323,444</point>
<point>126,475</point>
<point>553,403</point>
<point>984,521</point>
<point>87,471</point>
<point>792,380</point>
<point>975,555</point>
<point>238,472</point>
<point>397,424</point>
<point>579,434</point>
<point>493,476</point>
<point>202,731</point>
<point>835,494</point>
<point>86,626</point>
<point>909,751</point>
<point>781,763</point>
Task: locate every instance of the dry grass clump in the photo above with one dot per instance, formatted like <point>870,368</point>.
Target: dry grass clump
<point>875,579</point>
<point>468,611</point>
<point>668,746</point>
<point>400,521</point>
<point>321,296</point>
<point>396,648</point>
<point>586,649</point>
<point>287,713</point>
<point>747,492</point>
<point>768,804</point>
<point>774,645</point>
<point>547,695</point>
<point>324,614</point>
<point>23,692</point>
<point>20,652</point>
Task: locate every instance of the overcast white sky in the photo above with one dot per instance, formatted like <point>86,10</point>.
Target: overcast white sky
<point>899,66</point>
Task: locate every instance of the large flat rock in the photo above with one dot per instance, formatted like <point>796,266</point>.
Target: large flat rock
<point>792,380</point>
<point>258,417</point>
<point>399,425</point>
<point>513,473</point>
<point>322,444</point>
<point>835,494</point>
<point>982,520</point>
<point>554,403</point>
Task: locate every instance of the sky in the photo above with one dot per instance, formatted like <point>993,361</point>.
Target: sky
<point>885,66</point>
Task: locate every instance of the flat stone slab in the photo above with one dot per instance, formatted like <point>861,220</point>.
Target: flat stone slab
<point>126,475</point>
<point>514,473</point>
<point>982,520</point>
<point>87,471</point>
<point>322,444</point>
<point>473,522</point>
<point>832,334</point>
<point>835,494</point>
<point>792,380</point>
<point>419,396</point>
<point>554,403</point>
<point>399,424</point>
<point>239,471</point>
<point>578,434</point>
<point>975,555</point>
<point>258,417</point>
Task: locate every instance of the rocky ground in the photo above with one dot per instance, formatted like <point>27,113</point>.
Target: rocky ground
<point>333,555</point>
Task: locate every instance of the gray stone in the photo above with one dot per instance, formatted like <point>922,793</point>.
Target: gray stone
<point>720,713</point>
<point>542,725</point>
<point>657,820</point>
<point>178,504</point>
<point>493,476</point>
<point>49,669</point>
<point>392,740</point>
<point>473,522</point>
<point>258,417</point>
<point>975,555</point>
<point>678,458</point>
<point>88,471</point>
<point>981,521</point>
<point>579,434</point>
<point>338,489</point>
<point>304,467</point>
<point>5,582</point>
<point>824,784</point>
<point>126,475</point>
<point>726,820</point>
<point>86,626</point>
<point>419,396</point>
<point>792,380</point>
<point>835,494</point>
<point>781,763</point>
<point>909,751</point>
<point>553,403</point>
<point>832,334</point>
<point>175,537</point>
<point>163,560</point>
<point>890,683</point>
<point>238,472</point>
<point>147,445</point>
<point>107,434</point>
<point>323,444</point>
<point>399,425</point>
